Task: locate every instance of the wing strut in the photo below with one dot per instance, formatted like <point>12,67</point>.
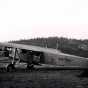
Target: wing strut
<point>13,61</point>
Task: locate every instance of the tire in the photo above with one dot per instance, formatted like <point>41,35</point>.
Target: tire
<point>30,67</point>
<point>10,68</point>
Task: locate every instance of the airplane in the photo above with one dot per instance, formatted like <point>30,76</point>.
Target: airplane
<point>46,58</point>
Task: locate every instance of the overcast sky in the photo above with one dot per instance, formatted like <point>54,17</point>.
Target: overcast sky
<point>25,19</point>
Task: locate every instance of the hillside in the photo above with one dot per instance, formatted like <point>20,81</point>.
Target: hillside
<point>70,46</point>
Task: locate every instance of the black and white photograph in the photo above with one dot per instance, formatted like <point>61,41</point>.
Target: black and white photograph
<point>43,43</point>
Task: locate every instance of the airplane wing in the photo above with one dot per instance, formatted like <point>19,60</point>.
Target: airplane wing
<point>38,49</point>
<point>31,47</point>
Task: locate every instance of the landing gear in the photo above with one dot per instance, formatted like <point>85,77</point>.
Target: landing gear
<point>10,68</point>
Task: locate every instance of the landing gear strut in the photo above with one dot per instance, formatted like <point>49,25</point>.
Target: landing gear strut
<point>11,66</point>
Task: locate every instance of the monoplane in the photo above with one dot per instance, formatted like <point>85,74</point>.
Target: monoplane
<point>45,58</point>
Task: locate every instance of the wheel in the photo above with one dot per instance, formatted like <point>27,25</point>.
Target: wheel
<point>30,67</point>
<point>10,68</point>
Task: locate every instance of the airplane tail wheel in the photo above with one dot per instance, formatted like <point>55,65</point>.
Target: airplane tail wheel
<point>10,68</point>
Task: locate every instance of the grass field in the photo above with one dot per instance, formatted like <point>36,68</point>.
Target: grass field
<point>42,79</point>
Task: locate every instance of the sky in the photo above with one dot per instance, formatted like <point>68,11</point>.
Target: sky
<point>25,19</point>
